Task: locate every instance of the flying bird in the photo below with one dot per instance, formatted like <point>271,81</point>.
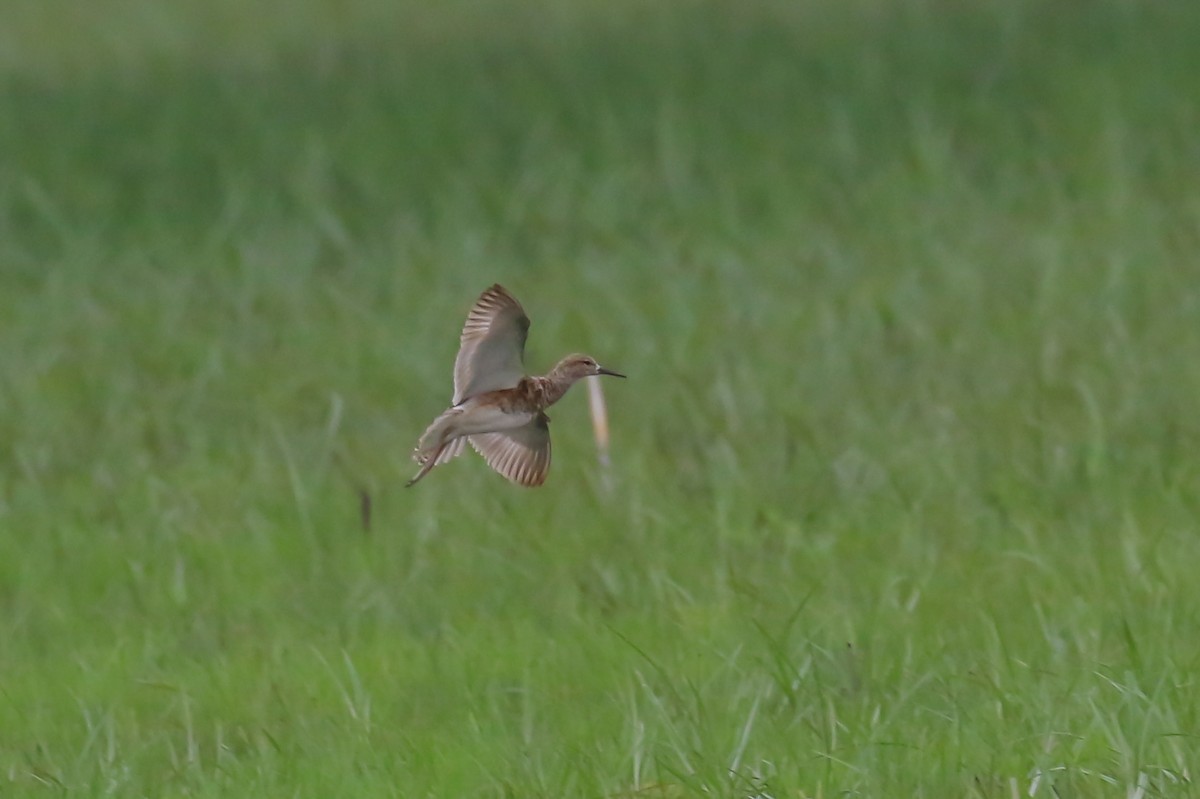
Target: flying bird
<point>496,406</point>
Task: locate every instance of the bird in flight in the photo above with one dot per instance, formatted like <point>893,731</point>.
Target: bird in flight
<point>496,406</point>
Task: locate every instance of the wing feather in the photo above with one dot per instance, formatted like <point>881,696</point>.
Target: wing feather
<point>521,454</point>
<point>491,352</point>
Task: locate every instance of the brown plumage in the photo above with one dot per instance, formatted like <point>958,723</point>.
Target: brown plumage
<point>498,408</point>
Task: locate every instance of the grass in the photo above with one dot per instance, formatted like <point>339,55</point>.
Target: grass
<point>905,486</point>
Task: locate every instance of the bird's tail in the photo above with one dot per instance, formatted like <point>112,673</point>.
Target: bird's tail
<point>438,444</point>
<point>436,436</point>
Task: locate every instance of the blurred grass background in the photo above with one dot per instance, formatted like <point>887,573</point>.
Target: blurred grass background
<point>905,479</point>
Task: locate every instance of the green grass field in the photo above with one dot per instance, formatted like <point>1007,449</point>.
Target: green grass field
<point>906,490</point>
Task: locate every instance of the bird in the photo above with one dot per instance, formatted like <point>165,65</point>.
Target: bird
<point>496,406</point>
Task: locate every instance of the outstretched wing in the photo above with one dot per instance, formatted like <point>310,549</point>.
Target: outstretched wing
<point>491,352</point>
<point>521,454</point>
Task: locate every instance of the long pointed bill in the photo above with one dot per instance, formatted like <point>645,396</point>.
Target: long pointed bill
<point>600,370</point>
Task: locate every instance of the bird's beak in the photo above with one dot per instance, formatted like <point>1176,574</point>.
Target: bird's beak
<point>600,370</point>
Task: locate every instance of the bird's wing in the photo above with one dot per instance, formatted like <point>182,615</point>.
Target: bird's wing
<point>521,454</point>
<point>491,352</point>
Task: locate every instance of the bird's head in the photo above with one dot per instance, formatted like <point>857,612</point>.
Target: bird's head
<point>575,367</point>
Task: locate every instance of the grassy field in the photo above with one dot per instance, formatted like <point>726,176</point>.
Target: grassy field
<point>906,487</point>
